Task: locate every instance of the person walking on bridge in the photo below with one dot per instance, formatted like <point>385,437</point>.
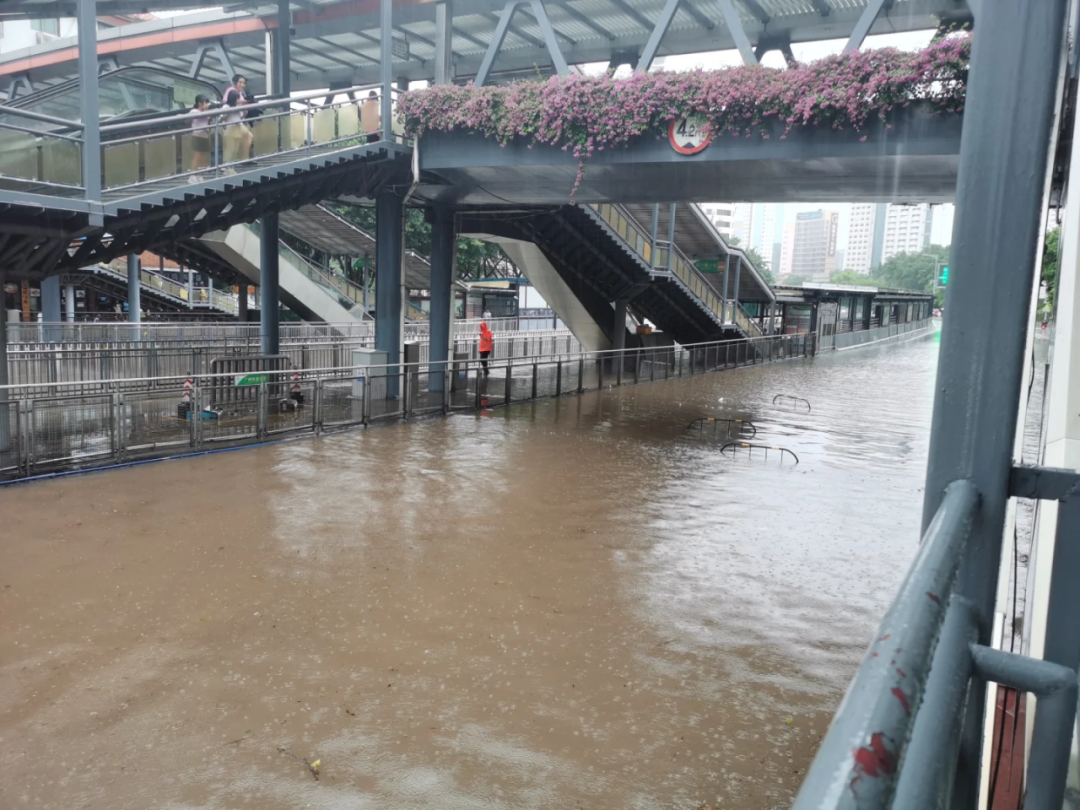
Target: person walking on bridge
<point>238,135</point>
<point>487,344</point>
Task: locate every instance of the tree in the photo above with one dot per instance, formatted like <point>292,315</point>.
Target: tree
<point>794,281</point>
<point>475,257</point>
<point>756,260</point>
<point>852,279</point>
<point>914,271</point>
<point>1050,266</point>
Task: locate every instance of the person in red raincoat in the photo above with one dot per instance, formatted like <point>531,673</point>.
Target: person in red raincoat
<point>487,344</point>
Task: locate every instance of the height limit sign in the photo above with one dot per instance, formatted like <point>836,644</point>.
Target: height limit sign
<point>689,135</point>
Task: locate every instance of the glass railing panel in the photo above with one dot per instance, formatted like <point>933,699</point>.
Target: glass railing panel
<point>348,122</point>
<point>61,162</point>
<point>323,126</point>
<point>19,155</point>
<point>265,131</point>
<point>293,130</point>
<point>121,162</point>
<point>159,157</point>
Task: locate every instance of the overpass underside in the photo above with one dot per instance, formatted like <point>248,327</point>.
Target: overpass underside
<point>912,156</point>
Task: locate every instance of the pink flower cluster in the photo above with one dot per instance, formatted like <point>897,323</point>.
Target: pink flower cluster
<point>585,114</point>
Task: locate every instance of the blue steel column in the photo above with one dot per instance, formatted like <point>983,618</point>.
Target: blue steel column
<point>671,236</point>
<point>727,267</point>
<point>1008,116</point>
<point>88,77</point>
<point>134,290</point>
<point>268,285</point>
<point>735,292</point>
<point>386,64</point>
<point>5,411</point>
<point>655,228</point>
<point>50,307</point>
<point>269,291</point>
<point>389,218</point>
<point>442,294</point>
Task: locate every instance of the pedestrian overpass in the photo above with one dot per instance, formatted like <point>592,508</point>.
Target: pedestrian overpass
<point>911,730</point>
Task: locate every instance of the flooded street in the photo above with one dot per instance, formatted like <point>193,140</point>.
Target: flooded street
<point>570,603</point>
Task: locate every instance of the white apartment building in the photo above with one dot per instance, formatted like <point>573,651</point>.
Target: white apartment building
<point>907,230</point>
<point>860,247</point>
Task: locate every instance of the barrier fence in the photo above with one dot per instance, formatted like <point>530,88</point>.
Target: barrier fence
<point>56,426</point>
<point>32,364</point>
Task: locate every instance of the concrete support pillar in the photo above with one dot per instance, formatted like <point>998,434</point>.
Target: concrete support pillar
<point>812,335</point>
<point>134,289</point>
<point>69,303</point>
<point>242,302</point>
<point>389,284</point>
<point>444,42</point>
<point>868,311</point>
<point>442,295</point>
<point>50,307</point>
<point>269,313</point>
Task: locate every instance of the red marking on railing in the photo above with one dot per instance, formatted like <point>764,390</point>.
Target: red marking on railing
<point>898,693</point>
<point>884,637</point>
<point>873,760</point>
<point>901,672</point>
<point>935,597</point>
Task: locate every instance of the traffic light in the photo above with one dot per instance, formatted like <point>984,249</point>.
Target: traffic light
<point>942,276</point>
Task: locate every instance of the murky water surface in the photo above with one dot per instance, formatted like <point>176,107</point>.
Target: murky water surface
<point>572,604</point>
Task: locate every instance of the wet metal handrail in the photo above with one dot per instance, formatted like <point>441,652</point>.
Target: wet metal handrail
<point>744,425</point>
<point>750,448</point>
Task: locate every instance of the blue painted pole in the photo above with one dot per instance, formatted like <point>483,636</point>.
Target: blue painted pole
<point>442,279</point>
<point>269,312</point>
<point>389,219</point>
<point>50,307</point>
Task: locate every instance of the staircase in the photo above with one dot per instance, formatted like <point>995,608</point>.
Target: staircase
<point>169,295</point>
<point>603,254</point>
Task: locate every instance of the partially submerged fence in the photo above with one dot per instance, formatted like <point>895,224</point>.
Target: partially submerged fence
<point>56,426</point>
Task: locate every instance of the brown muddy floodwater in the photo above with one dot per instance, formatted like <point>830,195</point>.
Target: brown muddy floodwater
<point>564,604</point>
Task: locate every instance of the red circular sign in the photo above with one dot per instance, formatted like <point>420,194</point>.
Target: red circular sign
<point>688,136</point>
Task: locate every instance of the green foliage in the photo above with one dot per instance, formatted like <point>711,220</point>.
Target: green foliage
<point>1050,266</point>
<point>475,258</point>
<point>756,260</point>
<point>914,271</point>
<point>852,279</point>
<point>794,281</point>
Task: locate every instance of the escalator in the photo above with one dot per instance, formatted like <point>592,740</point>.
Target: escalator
<point>158,293</point>
<point>599,254</point>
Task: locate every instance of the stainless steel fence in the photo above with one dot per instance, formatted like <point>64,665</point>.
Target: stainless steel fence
<point>91,362</point>
<point>55,426</point>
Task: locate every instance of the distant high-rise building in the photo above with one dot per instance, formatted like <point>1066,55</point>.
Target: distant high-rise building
<point>907,230</point>
<point>814,252</point>
<point>720,215</point>
<point>787,250</point>
<point>860,247</point>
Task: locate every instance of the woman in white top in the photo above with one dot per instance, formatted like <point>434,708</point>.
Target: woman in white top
<point>200,138</point>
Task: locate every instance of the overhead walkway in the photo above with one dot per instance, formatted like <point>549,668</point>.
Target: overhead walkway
<point>166,294</point>
<point>603,258</point>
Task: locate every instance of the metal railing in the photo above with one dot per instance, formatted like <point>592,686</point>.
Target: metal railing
<point>90,363</point>
<point>670,258</point>
<point>138,152</point>
<point>56,426</point>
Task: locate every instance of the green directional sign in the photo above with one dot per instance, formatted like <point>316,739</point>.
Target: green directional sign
<point>708,265</point>
<point>252,379</point>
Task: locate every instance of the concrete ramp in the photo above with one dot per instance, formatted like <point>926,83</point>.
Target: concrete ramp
<point>542,275</point>
<point>240,247</point>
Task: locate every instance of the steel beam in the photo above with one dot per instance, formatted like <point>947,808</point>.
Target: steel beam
<point>1044,483</point>
<point>386,66</point>
<point>282,50</point>
<point>550,36</point>
<point>1007,130</point>
<point>667,14</point>
<point>738,33</point>
<point>577,16</point>
<point>863,26</point>
<point>754,7</point>
<point>496,43</point>
<point>444,42</point>
<point>735,289</point>
<point>216,48</point>
<point>671,234</point>
<point>88,77</point>
<point>69,304</point>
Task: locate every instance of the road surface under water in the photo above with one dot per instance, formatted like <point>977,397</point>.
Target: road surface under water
<point>572,603</point>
